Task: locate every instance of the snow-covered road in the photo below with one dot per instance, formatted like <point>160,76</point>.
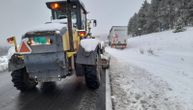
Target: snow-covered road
<point>154,72</point>
<point>136,89</point>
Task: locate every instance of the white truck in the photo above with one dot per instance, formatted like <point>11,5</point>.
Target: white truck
<point>118,37</point>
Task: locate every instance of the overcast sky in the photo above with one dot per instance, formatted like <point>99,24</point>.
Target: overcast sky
<point>18,16</point>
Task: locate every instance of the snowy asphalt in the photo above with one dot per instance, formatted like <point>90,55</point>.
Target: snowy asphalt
<point>69,94</point>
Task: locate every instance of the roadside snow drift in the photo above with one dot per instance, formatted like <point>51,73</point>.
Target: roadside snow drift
<point>3,63</point>
<point>4,59</point>
<point>167,56</point>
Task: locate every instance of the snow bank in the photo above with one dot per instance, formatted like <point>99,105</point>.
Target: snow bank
<point>166,55</point>
<point>89,44</point>
<point>3,63</point>
<point>11,51</point>
<point>4,59</point>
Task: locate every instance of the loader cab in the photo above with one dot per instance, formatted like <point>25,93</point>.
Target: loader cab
<point>59,11</point>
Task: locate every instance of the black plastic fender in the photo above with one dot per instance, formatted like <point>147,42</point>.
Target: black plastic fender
<point>16,62</point>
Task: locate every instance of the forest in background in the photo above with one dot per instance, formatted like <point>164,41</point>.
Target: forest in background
<point>161,15</point>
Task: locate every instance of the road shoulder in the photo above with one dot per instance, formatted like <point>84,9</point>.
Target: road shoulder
<point>134,88</point>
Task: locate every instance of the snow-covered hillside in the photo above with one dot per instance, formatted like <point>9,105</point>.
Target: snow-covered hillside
<point>166,57</point>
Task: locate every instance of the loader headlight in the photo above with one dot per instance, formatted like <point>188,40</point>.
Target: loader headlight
<point>55,6</point>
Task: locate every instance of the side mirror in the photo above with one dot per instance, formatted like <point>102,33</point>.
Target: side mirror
<point>95,23</point>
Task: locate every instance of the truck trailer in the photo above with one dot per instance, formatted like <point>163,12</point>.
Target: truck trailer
<point>118,37</point>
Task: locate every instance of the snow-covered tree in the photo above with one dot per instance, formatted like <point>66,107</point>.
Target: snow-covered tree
<point>179,27</point>
<point>160,15</point>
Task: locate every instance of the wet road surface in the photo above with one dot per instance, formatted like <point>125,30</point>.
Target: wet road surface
<point>68,94</point>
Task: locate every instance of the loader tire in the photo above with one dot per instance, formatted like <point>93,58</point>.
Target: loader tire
<point>92,77</point>
<point>21,80</point>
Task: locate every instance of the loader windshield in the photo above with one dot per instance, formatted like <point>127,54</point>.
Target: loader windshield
<point>61,15</point>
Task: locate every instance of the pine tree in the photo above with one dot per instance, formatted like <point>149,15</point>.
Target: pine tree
<point>152,17</point>
<point>160,15</point>
<point>132,26</point>
<point>142,20</point>
<point>179,27</point>
<point>189,18</point>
